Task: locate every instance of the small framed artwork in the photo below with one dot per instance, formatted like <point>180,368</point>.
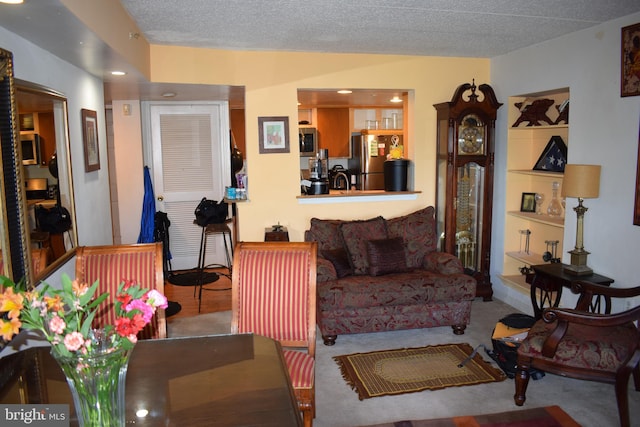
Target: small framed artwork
<point>630,61</point>
<point>273,134</point>
<point>528,203</point>
<point>90,140</point>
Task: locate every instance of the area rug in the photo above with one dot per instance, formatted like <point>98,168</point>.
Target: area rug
<point>550,416</point>
<point>408,370</point>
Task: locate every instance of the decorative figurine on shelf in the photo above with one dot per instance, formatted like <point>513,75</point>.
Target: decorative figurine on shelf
<point>527,234</point>
<point>551,255</point>
<point>539,197</point>
<point>534,113</point>
<point>563,112</point>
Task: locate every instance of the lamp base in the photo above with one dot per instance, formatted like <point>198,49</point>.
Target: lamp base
<point>578,266</point>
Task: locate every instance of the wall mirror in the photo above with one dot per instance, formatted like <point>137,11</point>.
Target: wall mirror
<point>37,176</point>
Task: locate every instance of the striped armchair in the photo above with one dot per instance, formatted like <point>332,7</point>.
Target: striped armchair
<point>113,264</point>
<point>274,295</point>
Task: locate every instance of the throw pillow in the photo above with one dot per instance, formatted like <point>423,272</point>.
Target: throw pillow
<point>418,230</point>
<point>386,256</point>
<point>325,232</point>
<point>340,260</point>
<point>355,235</point>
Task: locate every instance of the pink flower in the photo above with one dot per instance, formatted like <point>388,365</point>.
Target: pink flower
<point>146,309</point>
<point>74,341</point>
<point>57,325</point>
<point>155,298</point>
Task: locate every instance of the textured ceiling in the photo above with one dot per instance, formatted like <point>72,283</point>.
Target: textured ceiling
<point>467,28</point>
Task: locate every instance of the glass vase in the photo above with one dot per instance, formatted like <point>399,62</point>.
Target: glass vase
<point>97,384</point>
<point>555,207</point>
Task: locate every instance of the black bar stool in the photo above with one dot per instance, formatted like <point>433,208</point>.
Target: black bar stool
<point>207,230</point>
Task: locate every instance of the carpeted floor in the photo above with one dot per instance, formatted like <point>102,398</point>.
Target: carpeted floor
<point>551,416</point>
<point>591,404</point>
<point>409,370</point>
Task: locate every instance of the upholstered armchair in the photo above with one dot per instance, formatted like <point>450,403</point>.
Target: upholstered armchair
<point>274,295</point>
<point>113,264</point>
<point>583,345</point>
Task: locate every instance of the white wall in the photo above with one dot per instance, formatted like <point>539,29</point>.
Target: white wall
<point>603,130</point>
<point>82,90</point>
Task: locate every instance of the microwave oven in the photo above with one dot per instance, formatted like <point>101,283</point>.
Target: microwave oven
<point>308,141</point>
<point>30,148</point>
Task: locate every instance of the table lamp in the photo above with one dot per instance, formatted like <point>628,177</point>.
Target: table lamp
<point>582,182</point>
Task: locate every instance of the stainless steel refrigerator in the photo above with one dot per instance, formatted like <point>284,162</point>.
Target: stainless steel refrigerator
<point>368,154</point>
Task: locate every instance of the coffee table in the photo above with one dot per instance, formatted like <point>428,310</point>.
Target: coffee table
<point>219,380</point>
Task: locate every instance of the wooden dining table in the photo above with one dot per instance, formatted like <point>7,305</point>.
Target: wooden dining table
<point>220,380</point>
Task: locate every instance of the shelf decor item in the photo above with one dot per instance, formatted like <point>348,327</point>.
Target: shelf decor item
<point>582,182</point>
<point>94,361</point>
<point>553,157</point>
<point>528,203</point>
<point>555,207</point>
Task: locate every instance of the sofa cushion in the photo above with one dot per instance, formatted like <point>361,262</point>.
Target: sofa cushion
<point>386,256</point>
<point>326,233</point>
<point>355,235</point>
<point>418,230</point>
<point>340,260</point>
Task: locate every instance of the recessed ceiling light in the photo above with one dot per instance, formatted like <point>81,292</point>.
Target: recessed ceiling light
<point>169,94</point>
<point>12,1</point>
<point>344,91</point>
<point>118,73</point>
<point>396,99</point>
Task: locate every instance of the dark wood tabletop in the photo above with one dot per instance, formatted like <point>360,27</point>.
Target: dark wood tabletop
<point>222,380</point>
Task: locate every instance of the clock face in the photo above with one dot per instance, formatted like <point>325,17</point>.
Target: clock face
<point>471,136</point>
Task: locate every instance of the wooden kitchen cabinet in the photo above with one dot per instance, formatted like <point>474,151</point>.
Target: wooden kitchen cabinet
<point>333,131</point>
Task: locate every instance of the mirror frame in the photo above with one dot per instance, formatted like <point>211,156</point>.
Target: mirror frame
<point>15,237</point>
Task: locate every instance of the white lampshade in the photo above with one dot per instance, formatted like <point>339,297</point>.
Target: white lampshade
<point>581,181</point>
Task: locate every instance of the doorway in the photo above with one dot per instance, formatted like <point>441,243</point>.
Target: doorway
<point>191,153</point>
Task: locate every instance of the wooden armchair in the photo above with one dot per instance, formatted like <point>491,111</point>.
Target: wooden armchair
<point>583,345</point>
<point>113,264</point>
<point>274,294</point>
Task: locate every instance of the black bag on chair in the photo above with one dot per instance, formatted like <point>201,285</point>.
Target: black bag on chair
<point>55,220</point>
<point>211,212</point>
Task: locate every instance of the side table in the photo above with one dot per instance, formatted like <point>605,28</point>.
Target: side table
<point>276,234</point>
<point>548,280</point>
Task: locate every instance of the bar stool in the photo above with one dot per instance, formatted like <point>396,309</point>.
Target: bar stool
<point>213,229</point>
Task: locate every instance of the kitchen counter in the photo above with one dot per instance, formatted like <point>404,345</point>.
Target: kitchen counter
<point>350,196</point>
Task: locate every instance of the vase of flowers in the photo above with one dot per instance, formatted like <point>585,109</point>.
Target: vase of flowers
<point>94,361</point>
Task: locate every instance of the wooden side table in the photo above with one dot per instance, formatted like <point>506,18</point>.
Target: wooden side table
<point>272,234</point>
<point>548,280</point>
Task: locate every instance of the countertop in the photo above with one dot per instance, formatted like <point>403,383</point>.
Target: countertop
<point>342,196</point>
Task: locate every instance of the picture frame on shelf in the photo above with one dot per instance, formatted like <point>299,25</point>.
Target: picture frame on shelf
<point>528,203</point>
<point>630,61</point>
<point>90,140</point>
<point>273,133</point>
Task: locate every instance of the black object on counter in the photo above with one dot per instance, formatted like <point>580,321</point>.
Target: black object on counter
<point>395,175</point>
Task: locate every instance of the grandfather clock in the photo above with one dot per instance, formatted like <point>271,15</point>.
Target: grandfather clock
<point>464,194</point>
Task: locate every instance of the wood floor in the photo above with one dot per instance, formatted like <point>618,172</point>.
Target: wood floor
<point>215,297</point>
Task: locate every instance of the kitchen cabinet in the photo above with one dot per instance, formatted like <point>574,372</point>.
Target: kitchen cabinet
<point>465,164</point>
<point>238,128</point>
<point>532,238</point>
<point>333,131</point>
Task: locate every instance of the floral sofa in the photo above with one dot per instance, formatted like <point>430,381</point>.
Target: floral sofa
<point>385,274</point>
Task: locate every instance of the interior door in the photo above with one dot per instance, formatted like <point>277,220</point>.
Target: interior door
<point>191,160</point>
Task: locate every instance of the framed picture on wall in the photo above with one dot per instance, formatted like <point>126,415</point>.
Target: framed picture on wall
<point>90,140</point>
<point>630,61</point>
<point>273,134</point>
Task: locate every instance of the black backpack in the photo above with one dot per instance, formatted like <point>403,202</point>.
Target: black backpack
<point>506,355</point>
